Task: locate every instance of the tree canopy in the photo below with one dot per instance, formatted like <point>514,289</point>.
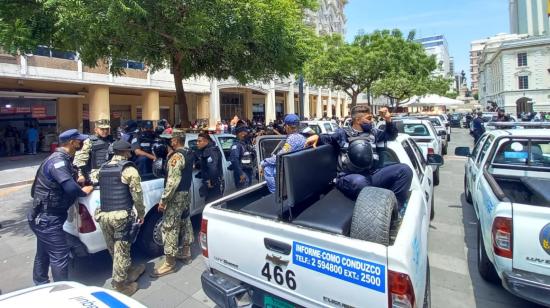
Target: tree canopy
<point>244,39</point>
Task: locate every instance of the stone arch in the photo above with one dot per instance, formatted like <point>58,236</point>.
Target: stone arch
<point>524,104</point>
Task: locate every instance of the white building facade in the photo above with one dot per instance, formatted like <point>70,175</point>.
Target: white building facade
<point>529,17</point>
<point>515,74</point>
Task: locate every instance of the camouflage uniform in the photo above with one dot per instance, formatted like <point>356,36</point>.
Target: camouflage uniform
<point>82,157</point>
<point>114,223</point>
<point>174,226</point>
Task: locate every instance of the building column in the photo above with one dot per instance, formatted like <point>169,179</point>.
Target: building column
<point>346,107</point>
<point>338,105</point>
<point>150,106</point>
<point>319,111</point>
<point>214,115</point>
<point>270,111</point>
<point>306,102</point>
<point>329,104</point>
<point>248,103</point>
<point>98,100</point>
<point>289,106</point>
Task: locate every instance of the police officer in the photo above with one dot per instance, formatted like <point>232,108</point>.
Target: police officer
<point>143,149</point>
<point>120,186</point>
<point>94,152</point>
<point>294,141</point>
<point>242,158</point>
<point>54,190</point>
<point>130,132</point>
<point>358,163</point>
<point>210,163</point>
<point>174,204</point>
<point>502,117</point>
<point>478,128</point>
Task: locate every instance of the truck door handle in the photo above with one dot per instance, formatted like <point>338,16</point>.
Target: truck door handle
<point>280,247</point>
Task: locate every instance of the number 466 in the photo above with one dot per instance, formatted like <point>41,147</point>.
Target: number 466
<point>278,276</point>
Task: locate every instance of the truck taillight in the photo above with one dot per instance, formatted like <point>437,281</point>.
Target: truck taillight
<point>431,151</point>
<point>400,291</point>
<point>203,237</point>
<point>502,237</point>
<point>87,224</point>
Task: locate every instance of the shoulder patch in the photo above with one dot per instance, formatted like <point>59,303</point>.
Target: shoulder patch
<point>234,147</point>
<point>59,164</point>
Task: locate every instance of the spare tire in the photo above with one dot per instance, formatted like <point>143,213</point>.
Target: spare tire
<point>373,214</point>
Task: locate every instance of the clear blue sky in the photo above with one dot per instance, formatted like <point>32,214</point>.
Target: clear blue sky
<point>460,21</point>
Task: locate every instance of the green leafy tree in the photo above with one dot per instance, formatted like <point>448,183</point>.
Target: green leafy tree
<point>244,39</point>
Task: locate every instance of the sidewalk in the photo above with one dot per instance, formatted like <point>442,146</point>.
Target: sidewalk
<point>19,170</point>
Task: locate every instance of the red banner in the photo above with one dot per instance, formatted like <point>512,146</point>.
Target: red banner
<point>23,110</point>
<point>7,110</point>
<point>38,112</point>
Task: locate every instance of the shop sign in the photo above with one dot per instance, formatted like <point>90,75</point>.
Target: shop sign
<point>23,109</point>
<point>7,110</point>
<point>38,111</point>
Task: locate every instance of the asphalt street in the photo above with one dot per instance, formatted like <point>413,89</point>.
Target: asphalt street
<point>452,252</point>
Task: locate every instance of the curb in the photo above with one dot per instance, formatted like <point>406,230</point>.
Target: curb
<point>15,184</point>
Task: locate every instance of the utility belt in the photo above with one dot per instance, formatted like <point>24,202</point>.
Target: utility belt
<point>39,206</point>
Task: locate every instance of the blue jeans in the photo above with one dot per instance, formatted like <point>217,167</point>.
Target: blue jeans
<point>269,175</point>
<point>247,182</point>
<point>32,146</point>
<point>144,165</point>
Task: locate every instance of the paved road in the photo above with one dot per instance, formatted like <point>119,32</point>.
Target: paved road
<point>452,249</point>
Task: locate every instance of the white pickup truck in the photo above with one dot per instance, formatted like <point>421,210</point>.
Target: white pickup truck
<point>308,245</point>
<point>508,181</point>
<point>84,233</point>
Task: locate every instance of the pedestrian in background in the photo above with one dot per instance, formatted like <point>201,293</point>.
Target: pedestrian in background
<point>32,139</point>
<point>54,191</point>
<point>120,187</point>
<point>175,205</point>
<point>478,128</point>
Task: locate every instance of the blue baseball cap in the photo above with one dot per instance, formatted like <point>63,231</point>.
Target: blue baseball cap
<point>71,134</point>
<point>292,119</point>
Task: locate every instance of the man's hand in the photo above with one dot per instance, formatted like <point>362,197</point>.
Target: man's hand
<point>386,114</point>
<point>242,178</point>
<point>312,141</point>
<point>140,220</point>
<point>261,171</point>
<point>209,183</point>
<point>87,189</point>
<point>162,207</point>
<point>81,180</point>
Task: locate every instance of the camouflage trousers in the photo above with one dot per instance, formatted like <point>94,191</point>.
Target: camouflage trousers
<point>114,226</point>
<point>177,231</point>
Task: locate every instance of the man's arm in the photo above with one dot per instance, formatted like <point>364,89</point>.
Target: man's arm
<point>175,166</point>
<point>234,159</point>
<point>82,156</point>
<point>61,173</point>
<point>131,177</point>
<point>388,134</point>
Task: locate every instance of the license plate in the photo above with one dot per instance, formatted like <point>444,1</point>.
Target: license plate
<point>272,302</point>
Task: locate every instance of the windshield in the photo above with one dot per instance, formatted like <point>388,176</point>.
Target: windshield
<point>435,121</point>
<point>414,130</point>
<point>524,153</point>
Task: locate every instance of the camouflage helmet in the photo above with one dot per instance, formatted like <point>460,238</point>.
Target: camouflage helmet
<point>103,123</point>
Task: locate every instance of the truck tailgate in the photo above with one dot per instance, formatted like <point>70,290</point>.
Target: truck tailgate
<point>295,263</point>
<point>531,242</point>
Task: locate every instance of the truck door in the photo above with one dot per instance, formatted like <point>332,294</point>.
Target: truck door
<point>267,146</point>
<point>226,142</point>
<point>420,168</point>
<point>197,202</point>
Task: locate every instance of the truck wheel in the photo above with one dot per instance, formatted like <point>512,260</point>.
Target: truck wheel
<point>432,212</point>
<point>484,266</point>
<point>372,215</point>
<point>150,238</point>
<point>436,177</point>
<point>428,292</point>
<point>467,193</point>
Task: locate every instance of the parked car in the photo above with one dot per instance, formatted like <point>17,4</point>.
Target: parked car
<point>309,245</point>
<point>322,127</point>
<point>85,235</point>
<point>441,132</point>
<point>455,120</point>
<point>507,179</point>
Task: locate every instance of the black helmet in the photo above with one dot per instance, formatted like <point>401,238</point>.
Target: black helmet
<point>360,154</point>
<point>160,149</point>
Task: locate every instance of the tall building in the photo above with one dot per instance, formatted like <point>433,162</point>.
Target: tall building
<point>529,17</point>
<point>437,45</point>
<point>329,18</point>
<point>452,66</point>
<point>476,48</point>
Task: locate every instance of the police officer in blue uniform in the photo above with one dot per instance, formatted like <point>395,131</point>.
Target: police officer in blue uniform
<point>478,128</point>
<point>209,161</point>
<point>54,190</point>
<point>358,162</point>
<point>242,158</point>
<point>142,148</point>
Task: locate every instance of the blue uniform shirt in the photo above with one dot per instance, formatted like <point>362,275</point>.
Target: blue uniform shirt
<point>294,142</point>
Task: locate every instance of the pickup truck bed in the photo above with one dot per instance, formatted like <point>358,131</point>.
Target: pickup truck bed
<point>525,190</point>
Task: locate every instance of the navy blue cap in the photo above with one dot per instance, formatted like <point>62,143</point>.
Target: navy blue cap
<point>241,128</point>
<point>147,124</point>
<point>292,119</point>
<point>71,134</point>
<point>121,145</point>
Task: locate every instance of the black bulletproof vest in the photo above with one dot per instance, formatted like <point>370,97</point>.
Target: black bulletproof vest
<point>186,173</point>
<point>146,140</point>
<point>115,195</point>
<point>46,190</point>
<point>100,151</point>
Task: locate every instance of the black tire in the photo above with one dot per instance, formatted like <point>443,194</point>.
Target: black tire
<point>432,212</point>
<point>484,266</point>
<point>436,177</point>
<point>428,292</point>
<point>150,240</point>
<point>449,137</point>
<point>467,193</point>
<point>372,215</point>
<point>444,152</point>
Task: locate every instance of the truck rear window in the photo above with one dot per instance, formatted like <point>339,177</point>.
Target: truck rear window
<point>414,130</point>
<point>524,153</point>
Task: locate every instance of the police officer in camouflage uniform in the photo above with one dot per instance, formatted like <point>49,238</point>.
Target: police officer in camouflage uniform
<point>94,152</point>
<point>120,186</point>
<point>175,205</point>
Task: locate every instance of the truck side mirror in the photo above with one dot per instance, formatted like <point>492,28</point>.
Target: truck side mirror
<point>442,133</point>
<point>435,160</point>
<point>462,151</point>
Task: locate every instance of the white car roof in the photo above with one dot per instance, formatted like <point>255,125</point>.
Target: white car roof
<point>537,132</point>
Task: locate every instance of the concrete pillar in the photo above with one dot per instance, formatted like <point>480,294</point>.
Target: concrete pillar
<point>319,109</point>
<point>248,103</point>
<point>270,111</point>
<point>338,105</point>
<point>98,99</point>
<point>306,102</point>
<point>150,106</point>
<point>80,111</point>
<point>289,106</point>
<point>214,115</point>
<point>202,108</point>
<point>65,113</point>
<point>346,107</point>
<point>329,104</point>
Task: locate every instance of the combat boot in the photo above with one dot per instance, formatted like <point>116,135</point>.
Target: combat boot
<point>126,288</point>
<point>168,267</point>
<point>184,254</point>
<point>135,272</point>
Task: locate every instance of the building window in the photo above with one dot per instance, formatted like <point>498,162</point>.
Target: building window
<point>522,59</point>
<point>523,82</point>
<point>54,53</point>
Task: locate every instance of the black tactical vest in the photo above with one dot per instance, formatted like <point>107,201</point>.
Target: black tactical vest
<point>115,195</point>
<point>146,140</point>
<point>47,191</point>
<point>99,153</point>
<point>186,173</point>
